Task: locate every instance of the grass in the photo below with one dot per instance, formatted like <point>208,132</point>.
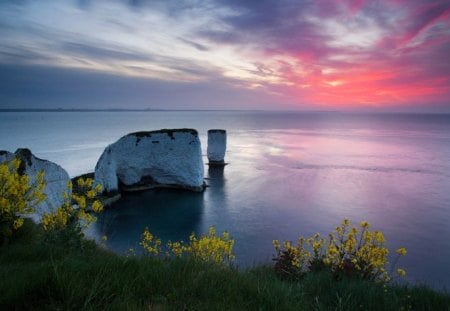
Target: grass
<point>41,276</point>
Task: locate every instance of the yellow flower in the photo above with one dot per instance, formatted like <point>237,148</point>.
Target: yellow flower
<point>210,247</point>
<point>80,182</point>
<point>379,237</point>
<point>89,182</point>
<point>18,223</point>
<point>18,196</point>
<point>176,248</point>
<point>276,244</point>
<point>364,224</point>
<point>401,272</point>
<point>98,188</point>
<point>364,249</point>
<point>151,244</point>
<point>401,251</point>
<point>97,206</point>
<point>317,245</point>
<point>91,194</point>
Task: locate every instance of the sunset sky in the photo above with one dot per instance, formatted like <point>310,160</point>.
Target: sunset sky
<point>389,55</point>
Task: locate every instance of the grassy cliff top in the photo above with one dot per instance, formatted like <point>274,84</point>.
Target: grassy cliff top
<point>37,274</point>
<point>169,132</point>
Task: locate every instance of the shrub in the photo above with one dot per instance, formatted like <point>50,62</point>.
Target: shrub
<point>67,221</point>
<point>212,248</point>
<point>349,251</point>
<point>18,197</point>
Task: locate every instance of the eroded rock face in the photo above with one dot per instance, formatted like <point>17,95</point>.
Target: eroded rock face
<point>217,145</point>
<point>6,156</point>
<point>56,178</point>
<point>144,160</point>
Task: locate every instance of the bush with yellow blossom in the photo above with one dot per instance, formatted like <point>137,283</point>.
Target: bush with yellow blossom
<point>212,248</point>
<point>18,197</point>
<point>69,219</point>
<point>350,251</point>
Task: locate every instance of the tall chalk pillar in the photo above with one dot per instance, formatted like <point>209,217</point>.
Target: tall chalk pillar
<point>217,145</point>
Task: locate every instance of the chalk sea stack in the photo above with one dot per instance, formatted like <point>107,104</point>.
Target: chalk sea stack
<point>56,178</point>
<point>143,160</point>
<point>217,145</point>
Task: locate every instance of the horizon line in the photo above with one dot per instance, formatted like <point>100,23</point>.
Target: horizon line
<point>224,110</point>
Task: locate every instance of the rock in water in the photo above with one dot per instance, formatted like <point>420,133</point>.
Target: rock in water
<point>56,178</point>
<point>217,145</point>
<point>144,160</point>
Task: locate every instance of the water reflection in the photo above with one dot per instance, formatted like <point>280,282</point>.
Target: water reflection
<point>169,214</point>
<point>216,177</point>
<point>216,197</point>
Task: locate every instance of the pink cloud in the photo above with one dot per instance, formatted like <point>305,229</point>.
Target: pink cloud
<point>408,65</point>
<point>424,17</point>
<point>355,6</point>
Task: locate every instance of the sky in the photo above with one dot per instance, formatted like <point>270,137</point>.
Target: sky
<point>391,55</point>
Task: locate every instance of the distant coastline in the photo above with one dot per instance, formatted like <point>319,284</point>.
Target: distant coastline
<point>153,110</point>
<point>217,110</point>
<point>73,110</point>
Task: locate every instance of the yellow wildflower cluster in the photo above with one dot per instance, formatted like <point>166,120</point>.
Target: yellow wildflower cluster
<point>75,210</point>
<point>18,196</point>
<point>359,251</point>
<point>58,219</point>
<point>150,243</point>
<point>177,248</point>
<point>348,250</point>
<point>209,247</point>
<point>295,256</point>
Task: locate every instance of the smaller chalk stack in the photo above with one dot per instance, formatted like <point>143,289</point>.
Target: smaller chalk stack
<point>217,145</point>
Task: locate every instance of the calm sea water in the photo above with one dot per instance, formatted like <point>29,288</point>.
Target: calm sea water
<point>289,174</point>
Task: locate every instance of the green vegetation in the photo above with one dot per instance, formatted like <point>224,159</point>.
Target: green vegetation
<point>210,248</point>
<point>349,251</point>
<point>169,132</point>
<point>41,276</point>
<point>17,197</point>
<point>51,266</point>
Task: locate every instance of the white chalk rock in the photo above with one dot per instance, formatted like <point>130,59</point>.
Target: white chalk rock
<point>6,156</point>
<point>217,145</point>
<point>56,179</point>
<point>144,160</point>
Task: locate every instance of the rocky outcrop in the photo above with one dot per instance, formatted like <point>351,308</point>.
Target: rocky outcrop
<point>56,178</point>
<point>217,145</point>
<point>6,156</point>
<point>144,160</point>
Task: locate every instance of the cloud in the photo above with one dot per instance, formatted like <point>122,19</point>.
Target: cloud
<point>351,53</point>
<point>198,46</point>
<point>425,16</point>
<point>97,52</point>
<point>30,86</point>
<point>411,69</point>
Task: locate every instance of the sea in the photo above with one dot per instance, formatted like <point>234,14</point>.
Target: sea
<point>289,174</point>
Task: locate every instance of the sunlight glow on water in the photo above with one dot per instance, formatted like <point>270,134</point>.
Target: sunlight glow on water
<point>288,175</point>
